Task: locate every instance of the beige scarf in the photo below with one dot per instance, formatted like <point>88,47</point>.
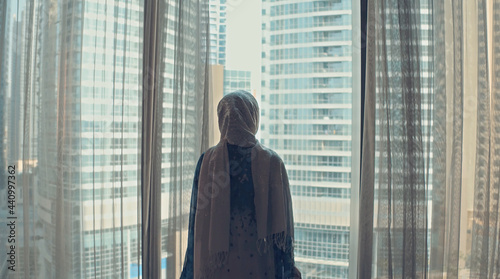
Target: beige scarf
<point>238,114</point>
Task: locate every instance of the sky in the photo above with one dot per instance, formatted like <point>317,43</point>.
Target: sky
<point>244,37</point>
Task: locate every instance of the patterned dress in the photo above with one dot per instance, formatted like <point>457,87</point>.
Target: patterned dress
<point>244,260</point>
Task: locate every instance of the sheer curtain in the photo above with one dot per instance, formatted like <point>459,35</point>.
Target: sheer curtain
<point>72,97</point>
<point>184,79</point>
<point>431,140</point>
<point>101,117</point>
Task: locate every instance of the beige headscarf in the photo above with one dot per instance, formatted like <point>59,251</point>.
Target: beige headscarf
<point>238,123</point>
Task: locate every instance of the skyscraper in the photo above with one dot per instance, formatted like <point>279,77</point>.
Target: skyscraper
<point>90,65</point>
<point>217,10</point>
<point>236,80</point>
<point>306,116</point>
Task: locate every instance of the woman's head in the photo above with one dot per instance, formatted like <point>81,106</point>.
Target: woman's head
<point>238,114</point>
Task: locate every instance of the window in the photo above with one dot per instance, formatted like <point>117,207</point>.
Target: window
<point>307,100</point>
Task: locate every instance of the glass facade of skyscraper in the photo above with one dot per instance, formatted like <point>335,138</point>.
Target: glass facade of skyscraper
<point>307,118</point>
<point>88,159</point>
<point>236,80</point>
<point>217,32</point>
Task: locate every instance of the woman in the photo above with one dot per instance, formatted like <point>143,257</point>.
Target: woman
<point>241,220</point>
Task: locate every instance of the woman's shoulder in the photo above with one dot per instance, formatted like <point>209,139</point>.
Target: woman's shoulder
<point>269,153</point>
<point>200,160</point>
<point>209,150</point>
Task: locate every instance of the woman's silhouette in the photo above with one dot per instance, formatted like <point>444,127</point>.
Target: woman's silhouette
<point>241,220</point>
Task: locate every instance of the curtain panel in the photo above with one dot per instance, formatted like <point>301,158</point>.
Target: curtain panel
<point>71,100</point>
<point>431,141</point>
<point>102,119</point>
<point>186,108</point>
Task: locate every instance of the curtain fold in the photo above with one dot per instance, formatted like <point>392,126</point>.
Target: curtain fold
<point>152,124</point>
<point>186,98</point>
<point>401,189</point>
<point>485,232</point>
<point>366,199</point>
<point>189,105</point>
<point>174,105</point>
<point>431,162</point>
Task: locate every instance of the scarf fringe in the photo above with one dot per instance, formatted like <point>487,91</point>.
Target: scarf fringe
<point>214,262</point>
<point>278,239</point>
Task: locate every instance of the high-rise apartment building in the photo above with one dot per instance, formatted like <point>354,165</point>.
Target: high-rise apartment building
<point>218,17</point>
<point>90,82</point>
<point>306,116</point>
